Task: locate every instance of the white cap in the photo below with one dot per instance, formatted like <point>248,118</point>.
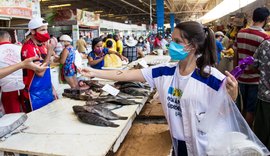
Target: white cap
<point>65,38</point>
<point>35,23</point>
<point>219,33</point>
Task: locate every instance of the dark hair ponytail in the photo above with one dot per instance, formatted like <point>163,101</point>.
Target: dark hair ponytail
<point>208,55</point>
<point>203,39</point>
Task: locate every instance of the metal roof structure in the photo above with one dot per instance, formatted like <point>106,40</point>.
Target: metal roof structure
<point>136,11</point>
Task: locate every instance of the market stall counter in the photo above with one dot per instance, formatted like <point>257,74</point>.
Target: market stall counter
<point>55,130</point>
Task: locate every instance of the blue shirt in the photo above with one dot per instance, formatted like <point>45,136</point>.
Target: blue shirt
<point>94,57</point>
<point>219,49</point>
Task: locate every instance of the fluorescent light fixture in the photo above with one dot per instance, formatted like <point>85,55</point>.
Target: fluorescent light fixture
<point>224,8</point>
<point>98,11</point>
<point>59,6</point>
<point>110,14</point>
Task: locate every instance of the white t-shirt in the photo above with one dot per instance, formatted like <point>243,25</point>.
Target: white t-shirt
<point>11,54</point>
<point>170,85</point>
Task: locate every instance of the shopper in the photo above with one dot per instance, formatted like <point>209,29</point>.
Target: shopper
<point>81,45</point>
<point>219,36</point>
<point>194,47</point>
<point>119,44</point>
<point>131,51</point>
<point>262,118</point>
<point>247,41</point>
<point>38,90</point>
<point>157,43</point>
<point>96,56</point>
<point>110,38</point>
<point>67,59</point>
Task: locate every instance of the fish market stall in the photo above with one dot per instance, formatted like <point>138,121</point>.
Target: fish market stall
<point>56,130</point>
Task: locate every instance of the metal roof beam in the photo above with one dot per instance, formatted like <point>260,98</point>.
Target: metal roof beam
<point>134,6</point>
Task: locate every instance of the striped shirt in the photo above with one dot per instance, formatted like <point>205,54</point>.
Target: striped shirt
<point>248,40</point>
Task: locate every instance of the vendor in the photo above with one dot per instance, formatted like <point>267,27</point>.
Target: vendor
<point>38,90</point>
<point>96,56</point>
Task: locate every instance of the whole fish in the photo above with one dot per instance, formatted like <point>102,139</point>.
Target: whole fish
<point>93,119</point>
<point>94,85</point>
<point>135,91</point>
<point>114,100</point>
<point>103,112</point>
<point>77,96</point>
<point>78,109</point>
<point>111,106</point>
<point>73,91</point>
<point>123,84</point>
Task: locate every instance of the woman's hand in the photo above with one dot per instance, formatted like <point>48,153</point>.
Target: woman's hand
<point>123,58</point>
<point>231,85</point>
<point>35,66</point>
<point>86,71</point>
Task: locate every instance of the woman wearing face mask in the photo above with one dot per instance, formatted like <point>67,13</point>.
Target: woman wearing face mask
<point>140,43</point>
<point>194,47</point>
<point>67,59</point>
<point>96,56</point>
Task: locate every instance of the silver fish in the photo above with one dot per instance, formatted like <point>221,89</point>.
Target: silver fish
<point>135,91</point>
<point>111,106</point>
<point>103,112</point>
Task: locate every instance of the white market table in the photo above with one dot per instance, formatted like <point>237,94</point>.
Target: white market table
<point>55,130</point>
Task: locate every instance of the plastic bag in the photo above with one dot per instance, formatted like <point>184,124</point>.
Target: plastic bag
<point>229,133</point>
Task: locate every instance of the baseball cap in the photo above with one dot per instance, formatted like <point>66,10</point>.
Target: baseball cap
<point>219,33</point>
<point>35,23</point>
<point>65,38</point>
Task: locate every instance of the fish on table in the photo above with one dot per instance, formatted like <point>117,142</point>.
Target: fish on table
<point>135,91</point>
<point>103,112</point>
<point>77,96</point>
<point>113,100</point>
<point>93,119</point>
<point>125,84</point>
<point>96,115</point>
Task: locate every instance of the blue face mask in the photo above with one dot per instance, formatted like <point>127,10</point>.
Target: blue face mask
<point>177,52</point>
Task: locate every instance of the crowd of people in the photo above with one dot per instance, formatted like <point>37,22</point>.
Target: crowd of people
<point>26,81</point>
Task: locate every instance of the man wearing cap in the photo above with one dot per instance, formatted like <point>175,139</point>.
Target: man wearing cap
<point>38,90</point>
<point>219,36</point>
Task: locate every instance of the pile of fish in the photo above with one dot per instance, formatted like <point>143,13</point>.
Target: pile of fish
<point>85,86</point>
<point>128,90</point>
<point>96,115</point>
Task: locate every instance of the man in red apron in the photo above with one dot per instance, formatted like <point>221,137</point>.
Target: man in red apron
<point>38,90</point>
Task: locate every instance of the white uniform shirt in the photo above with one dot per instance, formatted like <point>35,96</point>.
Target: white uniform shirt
<point>184,109</point>
<point>11,54</point>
